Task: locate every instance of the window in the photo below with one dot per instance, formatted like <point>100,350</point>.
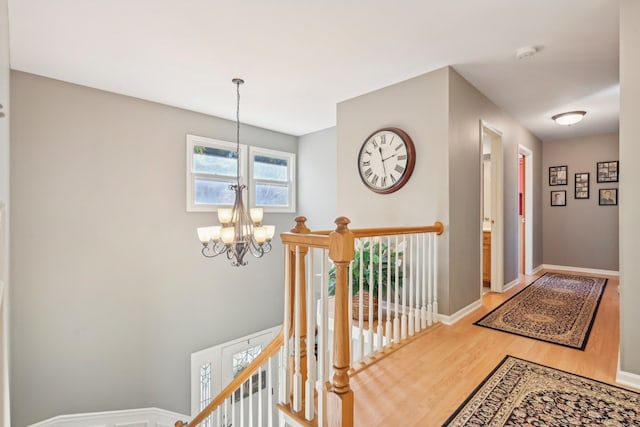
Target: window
<point>272,180</point>
<point>211,168</point>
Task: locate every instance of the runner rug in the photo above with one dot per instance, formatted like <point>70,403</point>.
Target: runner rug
<point>523,393</point>
<point>557,308</point>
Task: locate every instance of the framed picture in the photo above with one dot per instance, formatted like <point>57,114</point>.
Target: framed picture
<point>582,185</point>
<point>558,175</point>
<point>608,197</point>
<point>608,171</point>
<point>559,198</point>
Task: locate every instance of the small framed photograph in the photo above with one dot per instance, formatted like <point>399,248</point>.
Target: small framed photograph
<point>608,197</point>
<point>582,185</point>
<point>559,198</point>
<point>608,171</point>
<point>558,175</point>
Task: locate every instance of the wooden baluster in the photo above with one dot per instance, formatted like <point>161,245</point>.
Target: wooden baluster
<point>284,384</point>
<point>341,250</point>
<point>350,314</point>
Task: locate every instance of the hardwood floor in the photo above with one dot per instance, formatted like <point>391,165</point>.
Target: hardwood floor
<point>423,383</point>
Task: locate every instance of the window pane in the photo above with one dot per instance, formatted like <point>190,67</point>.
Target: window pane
<point>214,160</point>
<point>272,195</point>
<point>270,168</point>
<point>210,192</point>
<point>242,359</point>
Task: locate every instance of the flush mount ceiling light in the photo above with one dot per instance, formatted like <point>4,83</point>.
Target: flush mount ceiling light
<point>526,52</point>
<point>569,118</point>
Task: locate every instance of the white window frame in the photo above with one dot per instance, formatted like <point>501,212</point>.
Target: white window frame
<point>192,141</point>
<point>291,179</point>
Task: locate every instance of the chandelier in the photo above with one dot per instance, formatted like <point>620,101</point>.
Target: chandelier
<point>239,233</point>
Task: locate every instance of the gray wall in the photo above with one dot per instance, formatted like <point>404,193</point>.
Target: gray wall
<point>581,234</point>
<point>419,107</point>
<point>4,220</point>
<point>629,179</point>
<point>442,113</point>
<point>110,291</point>
<point>467,107</point>
<point>317,178</point>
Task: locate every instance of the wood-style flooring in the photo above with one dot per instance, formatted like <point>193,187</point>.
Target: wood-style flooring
<point>423,383</point>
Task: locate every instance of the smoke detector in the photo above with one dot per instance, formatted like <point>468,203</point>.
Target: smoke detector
<point>526,52</point>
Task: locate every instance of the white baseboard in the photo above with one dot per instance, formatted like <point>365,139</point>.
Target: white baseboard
<point>143,417</point>
<point>450,320</point>
<point>510,285</point>
<point>536,270</point>
<point>628,379</point>
<point>580,269</point>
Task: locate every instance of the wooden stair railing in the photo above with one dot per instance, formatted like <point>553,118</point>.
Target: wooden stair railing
<point>269,351</point>
<point>314,374</point>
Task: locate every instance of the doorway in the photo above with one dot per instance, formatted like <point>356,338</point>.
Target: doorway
<point>525,211</point>
<point>492,226</point>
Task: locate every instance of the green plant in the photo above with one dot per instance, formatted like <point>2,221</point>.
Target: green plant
<point>372,258</point>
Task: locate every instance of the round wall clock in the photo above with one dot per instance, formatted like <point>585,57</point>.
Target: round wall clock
<point>386,160</point>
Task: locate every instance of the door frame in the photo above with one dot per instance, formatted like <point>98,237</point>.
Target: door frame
<point>528,209</point>
<point>497,206</point>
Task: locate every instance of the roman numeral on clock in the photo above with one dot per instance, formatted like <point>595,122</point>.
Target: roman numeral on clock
<point>399,169</point>
<point>368,173</point>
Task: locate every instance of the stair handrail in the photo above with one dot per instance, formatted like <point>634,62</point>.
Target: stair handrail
<point>269,351</point>
<point>437,228</point>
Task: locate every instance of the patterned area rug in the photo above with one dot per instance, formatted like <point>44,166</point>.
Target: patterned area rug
<point>522,393</point>
<point>557,308</point>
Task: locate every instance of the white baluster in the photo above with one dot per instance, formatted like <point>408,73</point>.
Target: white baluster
<point>396,320</point>
<point>283,383</point>
<point>323,359</point>
<point>251,401</point>
<point>418,284</point>
<point>361,334</point>
<point>379,330</point>
<point>405,284</point>
<point>260,415</point>
<point>242,405</point>
<point>412,281</point>
<point>435,280</point>
<point>311,333</point>
<point>269,393</point>
<point>387,329</point>
<point>371,295</point>
<point>297,376</point>
<point>423,314</point>
<point>350,313</point>
<point>430,284</point>
<point>233,409</point>
<point>225,416</point>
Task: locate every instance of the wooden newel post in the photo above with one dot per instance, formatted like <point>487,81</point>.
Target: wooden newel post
<point>299,297</point>
<point>340,401</point>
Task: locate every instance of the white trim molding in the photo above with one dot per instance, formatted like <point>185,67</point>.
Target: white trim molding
<point>580,270</point>
<point>536,270</point>
<point>450,320</point>
<point>628,379</point>
<point>511,284</point>
<point>143,417</point>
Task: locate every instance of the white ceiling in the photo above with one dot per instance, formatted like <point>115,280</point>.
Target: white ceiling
<point>300,58</point>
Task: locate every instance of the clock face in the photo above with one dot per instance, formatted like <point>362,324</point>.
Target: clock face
<point>386,160</point>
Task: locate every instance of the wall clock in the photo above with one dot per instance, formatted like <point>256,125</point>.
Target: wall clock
<point>386,160</point>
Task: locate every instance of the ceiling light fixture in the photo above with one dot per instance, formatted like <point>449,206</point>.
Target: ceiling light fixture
<point>569,118</point>
<point>238,233</point>
<point>526,52</point>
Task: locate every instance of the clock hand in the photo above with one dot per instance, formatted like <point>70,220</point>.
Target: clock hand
<point>384,160</point>
<point>384,169</point>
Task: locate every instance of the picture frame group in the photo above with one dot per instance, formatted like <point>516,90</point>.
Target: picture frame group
<point>581,185</point>
<point>608,171</point>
